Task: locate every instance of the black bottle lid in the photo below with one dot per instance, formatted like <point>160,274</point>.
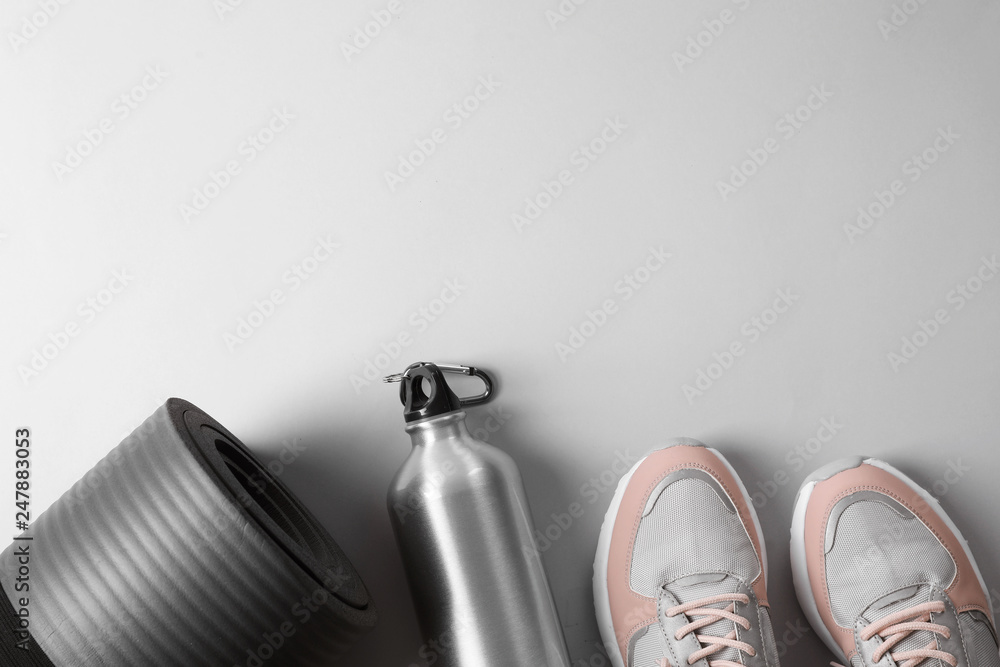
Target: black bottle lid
<point>438,398</point>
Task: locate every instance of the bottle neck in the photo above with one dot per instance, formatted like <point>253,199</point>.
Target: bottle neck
<point>449,426</point>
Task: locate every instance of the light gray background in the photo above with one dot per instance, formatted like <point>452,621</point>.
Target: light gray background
<point>888,94</point>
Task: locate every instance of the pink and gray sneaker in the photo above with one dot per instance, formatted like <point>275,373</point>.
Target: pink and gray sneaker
<point>883,574</point>
<point>680,574</point>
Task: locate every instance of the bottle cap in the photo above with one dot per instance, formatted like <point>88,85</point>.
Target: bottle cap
<point>425,393</point>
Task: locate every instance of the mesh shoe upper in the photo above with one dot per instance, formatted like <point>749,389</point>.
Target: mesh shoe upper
<point>877,547</point>
<point>691,529</point>
<point>889,577</point>
<point>694,579</point>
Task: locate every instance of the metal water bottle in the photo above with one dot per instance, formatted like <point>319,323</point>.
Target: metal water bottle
<point>462,523</point>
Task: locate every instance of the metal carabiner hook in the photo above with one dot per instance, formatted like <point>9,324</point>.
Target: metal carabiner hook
<point>472,371</point>
<point>458,369</point>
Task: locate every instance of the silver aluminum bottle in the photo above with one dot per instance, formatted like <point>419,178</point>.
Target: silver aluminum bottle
<point>464,529</point>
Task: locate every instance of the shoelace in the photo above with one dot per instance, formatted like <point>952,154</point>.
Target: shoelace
<point>709,616</point>
<point>894,628</point>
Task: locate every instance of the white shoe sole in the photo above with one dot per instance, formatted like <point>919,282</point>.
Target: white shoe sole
<point>602,603</point>
<point>800,573</point>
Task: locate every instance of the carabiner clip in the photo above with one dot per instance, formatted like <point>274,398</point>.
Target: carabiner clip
<point>458,369</point>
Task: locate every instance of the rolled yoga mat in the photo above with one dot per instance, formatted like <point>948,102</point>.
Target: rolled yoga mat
<point>179,548</point>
